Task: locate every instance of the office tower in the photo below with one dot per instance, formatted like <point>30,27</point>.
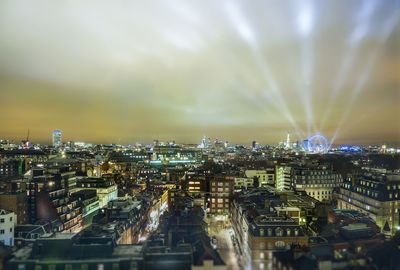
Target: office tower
<point>288,140</point>
<point>57,138</point>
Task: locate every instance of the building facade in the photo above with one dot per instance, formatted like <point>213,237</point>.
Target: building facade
<point>8,220</point>
<point>377,195</point>
<point>318,182</point>
<point>221,193</point>
<point>106,189</point>
<point>56,138</point>
<point>265,177</point>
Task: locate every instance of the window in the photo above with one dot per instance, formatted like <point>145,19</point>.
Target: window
<point>100,266</point>
<point>84,267</point>
<point>1,231</point>
<point>51,267</point>
<point>38,267</point>
<point>1,220</point>
<point>68,267</point>
<point>279,244</point>
<point>134,265</point>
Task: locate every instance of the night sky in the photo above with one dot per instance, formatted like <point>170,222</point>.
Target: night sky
<point>129,71</point>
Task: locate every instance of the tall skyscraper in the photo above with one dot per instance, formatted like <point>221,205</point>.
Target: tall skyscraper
<point>288,140</point>
<point>57,138</point>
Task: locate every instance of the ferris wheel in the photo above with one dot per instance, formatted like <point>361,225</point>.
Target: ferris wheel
<point>316,144</point>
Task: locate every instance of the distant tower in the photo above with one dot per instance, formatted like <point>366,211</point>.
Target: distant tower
<point>288,140</point>
<point>384,148</point>
<point>26,143</point>
<point>56,138</point>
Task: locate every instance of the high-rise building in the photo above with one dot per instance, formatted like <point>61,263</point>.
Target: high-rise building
<point>57,138</point>
<point>288,140</point>
<point>254,145</point>
<point>283,176</point>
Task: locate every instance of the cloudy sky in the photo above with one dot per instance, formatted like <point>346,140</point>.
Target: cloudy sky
<point>128,71</point>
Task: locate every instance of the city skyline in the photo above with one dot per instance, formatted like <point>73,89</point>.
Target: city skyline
<point>227,70</point>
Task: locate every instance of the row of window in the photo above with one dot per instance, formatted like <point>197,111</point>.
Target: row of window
<point>2,231</point>
<point>220,184</point>
<point>220,189</point>
<point>2,220</point>
<point>323,192</point>
<point>219,205</point>
<point>279,232</point>
<point>100,266</point>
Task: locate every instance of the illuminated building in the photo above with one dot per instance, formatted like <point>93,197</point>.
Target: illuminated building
<point>8,220</point>
<point>127,217</point>
<point>57,138</point>
<point>268,234</point>
<point>157,207</point>
<point>377,195</point>
<point>194,183</point>
<point>266,176</point>
<point>288,146</point>
<point>9,168</point>
<point>243,182</point>
<point>205,143</point>
<point>260,230</point>
<point>196,186</point>
<point>289,211</point>
<point>175,155</point>
<point>90,204</point>
<point>49,200</point>
<point>306,204</point>
<point>317,182</point>
<point>221,192</point>
<point>283,176</point>
<point>24,157</point>
<point>128,156</point>
<point>106,189</point>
